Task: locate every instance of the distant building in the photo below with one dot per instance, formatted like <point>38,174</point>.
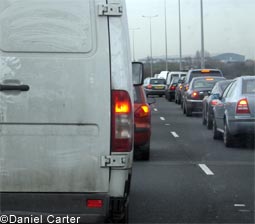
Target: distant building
<point>229,57</point>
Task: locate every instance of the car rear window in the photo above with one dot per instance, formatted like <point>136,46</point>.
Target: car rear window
<point>208,73</point>
<point>137,94</point>
<point>249,86</point>
<point>204,83</point>
<point>157,81</point>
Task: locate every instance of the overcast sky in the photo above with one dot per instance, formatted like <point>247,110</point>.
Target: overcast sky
<point>229,26</point>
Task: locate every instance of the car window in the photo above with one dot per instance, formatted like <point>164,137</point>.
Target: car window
<point>157,81</point>
<point>248,86</point>
<point>231,90</point>
<point>137,94</point>
<point>227,90</point>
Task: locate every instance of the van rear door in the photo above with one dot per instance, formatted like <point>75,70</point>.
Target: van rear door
<point>55,96</point>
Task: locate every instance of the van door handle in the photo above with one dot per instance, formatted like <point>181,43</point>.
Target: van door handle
<point>7,87</point>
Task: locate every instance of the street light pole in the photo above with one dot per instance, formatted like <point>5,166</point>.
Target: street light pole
<point>202,37</point>
<point>133,37</point>
<point>150,18</point>
<point>166,38</point>
<point>180,36</point>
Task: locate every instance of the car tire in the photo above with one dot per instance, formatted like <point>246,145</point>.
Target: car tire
<point>183,108</point>
<point>227,137</point>
<point>209,123</point>
<point>216,134</point>
<point>146,152</point>
<point>188,112</point>
<point>203,118</point>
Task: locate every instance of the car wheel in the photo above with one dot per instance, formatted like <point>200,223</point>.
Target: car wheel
<point>146,151</point>
<point>188,112</point>
<point>183,108</point>
<point>209,123</point>
<point>203,118</point>
<point>227,137</point>
<point>216,134</point>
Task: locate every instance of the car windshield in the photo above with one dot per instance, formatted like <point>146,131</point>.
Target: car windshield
<point>210,73</point>
<point>249,86</point>
<point>204,83</point>
<point>157,81</point>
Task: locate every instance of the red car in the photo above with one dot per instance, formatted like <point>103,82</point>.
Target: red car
<point>142,125</point>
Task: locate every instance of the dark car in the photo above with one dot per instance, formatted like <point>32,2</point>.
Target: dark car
<point>234,114</point>
<point>142,118</point>
<point>211,100</point>
<point>154,86</point>
<point>170,89</point>
<point>178,90</point>
<point>192,73</point>
<point>198,89</point>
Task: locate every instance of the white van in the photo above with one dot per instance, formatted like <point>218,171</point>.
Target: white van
<point>66,110</point>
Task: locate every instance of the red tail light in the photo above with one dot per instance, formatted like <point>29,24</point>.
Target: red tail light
<point>195,95</point>
<point>122,122</point>
<point>242,107</point>
<point>94,203</point>
<point>142,111</point>
<point>149,86</point>
<point>186,87</point>
<point>172,87</point>
<point>214,102</point>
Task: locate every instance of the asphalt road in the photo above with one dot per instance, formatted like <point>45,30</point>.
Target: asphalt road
<point>190,177</point>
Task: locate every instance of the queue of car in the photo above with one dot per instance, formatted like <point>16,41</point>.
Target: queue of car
<point>227,106</point>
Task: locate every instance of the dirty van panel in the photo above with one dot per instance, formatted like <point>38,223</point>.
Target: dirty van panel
<point>54,133</point>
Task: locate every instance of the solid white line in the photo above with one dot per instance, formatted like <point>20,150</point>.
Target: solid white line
<point>162,118</point>
<point>206,169</point>
<point>239,205</point>
<point>175,134</point>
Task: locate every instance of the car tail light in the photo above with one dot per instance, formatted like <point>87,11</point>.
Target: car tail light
<point>195,95</point>
<point>172,87</point>
<point>94,203</point>
<point>186,87</point>
<point>180,87</point>
<point>122,122</point>
<point>214,102</point>
<point>149,86</point>
<point>142,111</point>
<point>242,107</point>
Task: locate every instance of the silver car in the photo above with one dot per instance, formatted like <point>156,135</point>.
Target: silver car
<point>235,112</point>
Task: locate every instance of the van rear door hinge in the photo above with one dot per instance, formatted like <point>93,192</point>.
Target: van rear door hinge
<point>110,9</point>
<point>118,161</point>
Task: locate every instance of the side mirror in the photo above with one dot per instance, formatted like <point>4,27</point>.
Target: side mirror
<point>216,96</point>
<point>138,73</point>
<point>151,101</point>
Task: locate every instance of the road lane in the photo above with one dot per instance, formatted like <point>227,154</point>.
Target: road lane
<point>172,188</point>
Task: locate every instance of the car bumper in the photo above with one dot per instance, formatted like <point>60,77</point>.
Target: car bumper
<point>195,105</point>
<point>52,207</point>
<point>241,125</point>
<point>155,92</point>
<point>142,136</point>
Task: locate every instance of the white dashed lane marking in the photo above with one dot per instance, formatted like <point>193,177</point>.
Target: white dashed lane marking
<point>162,118</point>
<point>175,134</point>
<point>206,169</point>
<point>155,109</point>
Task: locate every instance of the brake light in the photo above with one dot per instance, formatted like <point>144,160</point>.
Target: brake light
<point>172,87</point>
<point>209,79</point>
<point>195,94</point>
<point>205,70</point>
<point>122,121</point>
<point>149,86</point>
<point>186,87</point>
<point>214,102</point>
<point>94,203</point>
<point>180,87</point>
<point>242,107</point>
<point>142,111</point>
